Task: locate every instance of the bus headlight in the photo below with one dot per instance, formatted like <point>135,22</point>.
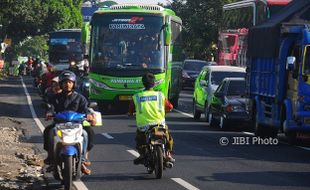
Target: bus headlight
<point>98,84</point>
<point>158,82</point>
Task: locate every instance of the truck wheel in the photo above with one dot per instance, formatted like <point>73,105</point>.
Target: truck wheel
<point>196,113</point>
<point>273,132</point>
<point>291,137</point>
<point>259,130</point>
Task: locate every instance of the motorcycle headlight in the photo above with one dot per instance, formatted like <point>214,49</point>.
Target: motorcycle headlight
<point>72,63</point>
<point>87,84</point>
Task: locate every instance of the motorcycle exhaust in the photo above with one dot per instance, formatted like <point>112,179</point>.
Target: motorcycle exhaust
<point>169,164</point>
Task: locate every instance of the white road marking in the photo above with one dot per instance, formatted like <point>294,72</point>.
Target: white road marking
<point>183,113</point>
<point>33,113</point>
<point>78,184</point>
<point>133,152</point>
<point>107,135</point>
<point>184,184</point>
<point>178,180</point>
<point>248,133</point>
<point>305,148</point>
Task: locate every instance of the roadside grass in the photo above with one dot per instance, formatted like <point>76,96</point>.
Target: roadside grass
<point>4,72</point>
<point>3,75</point>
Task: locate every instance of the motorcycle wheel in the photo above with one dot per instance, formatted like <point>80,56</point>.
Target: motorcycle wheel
<point>159,162</point>
<point>67,173</point>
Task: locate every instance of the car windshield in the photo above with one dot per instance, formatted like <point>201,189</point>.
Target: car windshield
<point>194,65</point>
<point>218,76</point>
<point>236,88</point>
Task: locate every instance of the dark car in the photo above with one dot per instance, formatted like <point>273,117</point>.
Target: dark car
<point>229,106</point>
<point>191,69</point>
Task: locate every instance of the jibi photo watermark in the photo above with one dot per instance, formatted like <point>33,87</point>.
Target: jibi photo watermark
<point>224,141</point>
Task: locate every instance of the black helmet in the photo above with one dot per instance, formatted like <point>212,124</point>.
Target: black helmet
<point>67,75</point>
<point>148,80</point>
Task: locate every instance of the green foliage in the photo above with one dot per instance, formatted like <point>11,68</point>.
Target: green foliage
<point>63,14</point>
<point>36,46</point>
<point>30,18</point>
<point>201,21</point>
<point>107,3</point>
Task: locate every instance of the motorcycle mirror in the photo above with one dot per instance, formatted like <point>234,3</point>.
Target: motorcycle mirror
<point>93,104</point>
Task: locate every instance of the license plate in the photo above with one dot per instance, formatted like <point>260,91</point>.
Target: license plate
<point>305,136</point>
<point>125,98</point>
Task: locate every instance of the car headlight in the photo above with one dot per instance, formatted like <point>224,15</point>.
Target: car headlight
<point>98,84</point>
<point>185,75</point>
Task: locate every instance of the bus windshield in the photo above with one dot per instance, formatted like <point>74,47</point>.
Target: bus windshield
<point>65,45</point>
<point>126,42</point>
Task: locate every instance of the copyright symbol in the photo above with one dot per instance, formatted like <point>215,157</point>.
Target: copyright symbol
<point>224,141</point>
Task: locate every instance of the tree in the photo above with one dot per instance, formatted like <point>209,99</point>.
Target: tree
<point>201,21</point>
<point>21,19</point>
<point>62,14</point>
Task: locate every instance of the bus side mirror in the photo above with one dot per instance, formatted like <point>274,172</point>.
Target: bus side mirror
<point>290,63</point>
<point>167,35</point>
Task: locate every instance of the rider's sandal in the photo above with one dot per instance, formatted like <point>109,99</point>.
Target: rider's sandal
<point>87,162</point>
<point>85,170</point>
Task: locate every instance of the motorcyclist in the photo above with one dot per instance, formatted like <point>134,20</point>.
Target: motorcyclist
<point>69,100</point>
<point>51,91</point>
<point>150,107</point>
<point>47,77</point>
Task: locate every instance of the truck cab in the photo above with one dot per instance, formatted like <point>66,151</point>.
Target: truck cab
<point>277,73</point>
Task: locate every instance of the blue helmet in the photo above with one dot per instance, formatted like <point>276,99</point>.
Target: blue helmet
<point>67,75</point>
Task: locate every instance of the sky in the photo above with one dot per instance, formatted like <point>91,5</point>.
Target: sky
<point>142,1</point>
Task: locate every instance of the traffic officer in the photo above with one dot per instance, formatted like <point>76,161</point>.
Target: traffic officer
<point>150,107</point>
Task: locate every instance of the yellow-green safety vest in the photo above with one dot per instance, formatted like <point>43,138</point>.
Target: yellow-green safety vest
<point>150,109</point>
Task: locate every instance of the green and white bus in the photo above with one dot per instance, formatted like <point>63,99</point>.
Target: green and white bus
<point>127,41</point>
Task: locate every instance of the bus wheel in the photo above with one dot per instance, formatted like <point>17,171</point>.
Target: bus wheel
<point>175,101</point>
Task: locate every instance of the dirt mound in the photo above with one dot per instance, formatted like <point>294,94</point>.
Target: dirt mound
<point>20,166</point>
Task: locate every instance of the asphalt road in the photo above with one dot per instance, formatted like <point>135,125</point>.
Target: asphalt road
<point>206,158</point>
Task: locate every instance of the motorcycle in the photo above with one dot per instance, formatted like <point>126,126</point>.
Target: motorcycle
<point>156,154</point>
<point>84,87</point>
<point>68,147</point>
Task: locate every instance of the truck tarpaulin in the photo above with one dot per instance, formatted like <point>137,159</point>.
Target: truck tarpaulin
<point>264,39</point>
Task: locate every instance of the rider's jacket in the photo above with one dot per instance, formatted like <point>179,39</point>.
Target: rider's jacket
<point>150,108</point>
<point>74,102</point>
